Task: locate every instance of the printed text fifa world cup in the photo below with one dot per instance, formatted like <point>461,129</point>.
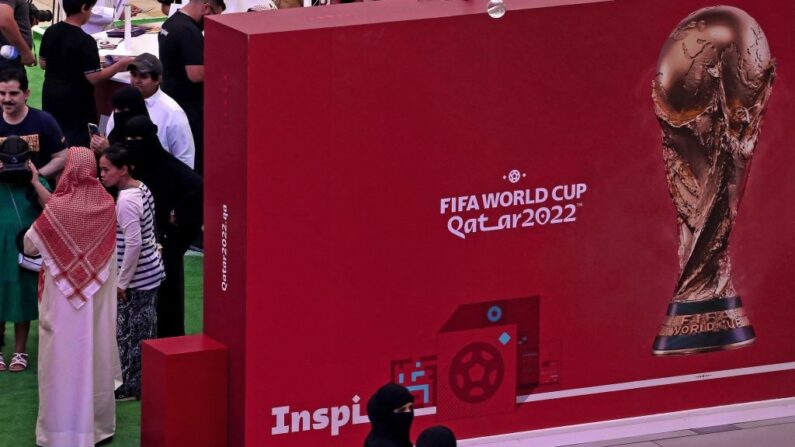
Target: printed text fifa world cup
<point>542,206</point>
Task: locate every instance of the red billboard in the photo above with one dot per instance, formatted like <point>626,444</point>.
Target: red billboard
<point>513,217</point>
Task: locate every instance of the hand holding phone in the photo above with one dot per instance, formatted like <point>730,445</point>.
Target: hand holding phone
<point>99,144</point>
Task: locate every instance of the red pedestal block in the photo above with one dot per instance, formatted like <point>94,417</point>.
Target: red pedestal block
<point>184,395</point>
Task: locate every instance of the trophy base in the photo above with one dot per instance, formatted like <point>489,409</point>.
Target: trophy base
<point>718,324</point>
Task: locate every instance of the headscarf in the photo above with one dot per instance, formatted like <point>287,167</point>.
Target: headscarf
<point>77,230</point>
<point>145,147</point>
<point>389,429</point>
<point>129,98</point>
<point>437,436</point>
<point>174,185</point>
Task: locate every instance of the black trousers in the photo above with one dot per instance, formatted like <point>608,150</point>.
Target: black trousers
<point>171,295</point>
<point>72,108</point>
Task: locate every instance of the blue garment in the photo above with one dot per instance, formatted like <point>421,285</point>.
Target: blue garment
<point>41,132</point>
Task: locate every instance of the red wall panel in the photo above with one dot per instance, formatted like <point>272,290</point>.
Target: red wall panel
<point>333,136</point>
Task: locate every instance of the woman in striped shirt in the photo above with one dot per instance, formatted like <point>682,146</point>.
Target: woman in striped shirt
<point>140,265</point>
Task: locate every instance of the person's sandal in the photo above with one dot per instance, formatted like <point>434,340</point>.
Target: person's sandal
<point>19,362</point>
<point>2,363</point>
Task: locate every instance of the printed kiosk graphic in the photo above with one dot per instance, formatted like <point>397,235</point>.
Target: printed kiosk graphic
<point>477,208</point>
<point>488,354</point>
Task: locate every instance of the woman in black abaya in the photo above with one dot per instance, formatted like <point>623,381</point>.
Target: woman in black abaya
<point>177,191</point>
<point>128,102</point>
<point>391,411</point>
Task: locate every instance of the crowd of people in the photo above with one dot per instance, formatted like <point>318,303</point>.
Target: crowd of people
<point>95,224</point>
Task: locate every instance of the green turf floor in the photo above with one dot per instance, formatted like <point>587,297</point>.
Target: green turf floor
<point>19,393</point>
<point>35,80</point>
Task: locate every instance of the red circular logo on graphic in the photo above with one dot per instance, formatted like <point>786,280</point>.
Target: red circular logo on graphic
<point>476,372</point>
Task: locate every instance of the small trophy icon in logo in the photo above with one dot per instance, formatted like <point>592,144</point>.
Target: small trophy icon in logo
<point>714,79</point>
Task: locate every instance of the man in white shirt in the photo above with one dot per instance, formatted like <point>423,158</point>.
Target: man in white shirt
<point>173,129</point>
<point>103,13</point>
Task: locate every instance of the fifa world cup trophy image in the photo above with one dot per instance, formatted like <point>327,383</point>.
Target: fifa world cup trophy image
<point>714,79</point>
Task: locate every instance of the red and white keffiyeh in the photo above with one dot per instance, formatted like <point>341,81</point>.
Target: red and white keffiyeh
<point>77,230</point>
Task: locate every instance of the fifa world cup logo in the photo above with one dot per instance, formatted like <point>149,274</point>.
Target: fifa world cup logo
<point>714,79</point>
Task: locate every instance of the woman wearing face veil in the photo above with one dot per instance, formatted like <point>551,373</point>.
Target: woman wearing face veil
<point>177,191</point>
<point>127,102</point>
<point>390,411</point>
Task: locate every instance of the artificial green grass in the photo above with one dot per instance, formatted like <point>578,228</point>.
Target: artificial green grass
<point>35,79</point>
<point>19,393</point>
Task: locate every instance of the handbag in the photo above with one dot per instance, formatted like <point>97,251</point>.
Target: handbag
<point>32,263</point>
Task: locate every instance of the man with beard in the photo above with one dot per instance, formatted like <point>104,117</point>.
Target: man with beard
<point>38,128</point>
<point>182,54</point>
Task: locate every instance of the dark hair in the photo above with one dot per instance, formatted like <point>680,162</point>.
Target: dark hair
<point>152,74</point>
<point>214,2</point>
<point>119,156</point>
<point>15,74</point>
<point>72,7</point>
<point>438,436</point>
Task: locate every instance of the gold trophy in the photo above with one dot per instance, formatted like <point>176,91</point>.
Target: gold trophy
<point>714,79</point>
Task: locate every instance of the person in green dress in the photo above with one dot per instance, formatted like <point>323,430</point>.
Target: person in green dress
<point>20,205</point>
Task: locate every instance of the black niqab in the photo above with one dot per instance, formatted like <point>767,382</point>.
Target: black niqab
<point>389,429</point>
<point>175,186</point>
<point>131,100</point>
<point>437,436</point>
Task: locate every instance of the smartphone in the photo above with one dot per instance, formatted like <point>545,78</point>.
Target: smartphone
<point>93,129</point>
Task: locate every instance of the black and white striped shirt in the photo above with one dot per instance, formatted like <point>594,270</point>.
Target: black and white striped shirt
<point>140,265</point>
